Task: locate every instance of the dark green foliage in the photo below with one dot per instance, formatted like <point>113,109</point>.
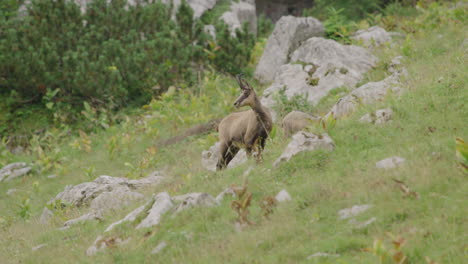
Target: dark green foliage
<point>109,56</point>
<point>232,53</point>
<point>264,26</point>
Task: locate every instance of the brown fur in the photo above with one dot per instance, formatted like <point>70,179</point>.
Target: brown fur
<point>248,129</point>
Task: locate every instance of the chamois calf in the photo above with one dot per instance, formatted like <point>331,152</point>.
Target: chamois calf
<point>248,129</point>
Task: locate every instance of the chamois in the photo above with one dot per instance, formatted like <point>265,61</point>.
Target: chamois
<point>248,129</point>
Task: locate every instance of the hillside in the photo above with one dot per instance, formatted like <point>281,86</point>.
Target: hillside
<point>414,212</point>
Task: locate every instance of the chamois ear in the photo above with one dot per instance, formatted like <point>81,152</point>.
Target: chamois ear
<point>242,83</point>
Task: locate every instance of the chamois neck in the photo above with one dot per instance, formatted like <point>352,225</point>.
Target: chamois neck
<point>257,107</point>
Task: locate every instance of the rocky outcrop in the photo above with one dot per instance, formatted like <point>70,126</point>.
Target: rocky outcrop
<point>14,170</point>
<point>287,36</point>
<point>296,121</point>
<point>210,158</point>
<point>240,13</point>
<point>318,66</point>
<point>106,192</point>
<point>371,92</point>
<point>304,141</point>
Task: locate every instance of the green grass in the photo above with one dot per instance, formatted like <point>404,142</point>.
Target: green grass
<point>321,183</point>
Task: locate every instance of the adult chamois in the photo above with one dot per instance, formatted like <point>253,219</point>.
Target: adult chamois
<point>248,129</point>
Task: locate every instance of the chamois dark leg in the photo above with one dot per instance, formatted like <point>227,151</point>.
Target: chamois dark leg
<point>259,146</point>
<point>230,154</point>
<point>222,154</point>
<point>227,153</point>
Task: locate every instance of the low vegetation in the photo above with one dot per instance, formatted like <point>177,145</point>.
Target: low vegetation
<point>428,226</point>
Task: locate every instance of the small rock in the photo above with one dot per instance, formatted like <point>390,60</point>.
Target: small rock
<point>283,196</point>
<point>353,211</point>
<point>360,225</point>
<point>210,158</point>
<point>221,195</point>
<point>241,12</point>
<point>304,141</point>
<point>390,163</point>
<point>46,216</point>
<point>380,116</point>
<point>322,254</point>
<point>100,244</point>
<point>14,170</point>
<point>162,204</point>
<point>53,176</point>
<point>192,200</point>
<point>130,217</point>
<point>159,247</point>
<point>85,217</point>
<point>373,36</point>
<point>36,248</point>
<point>11,191</point>
<point>211,30</point>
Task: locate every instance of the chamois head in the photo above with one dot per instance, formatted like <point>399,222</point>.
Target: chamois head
<point>247,96</point>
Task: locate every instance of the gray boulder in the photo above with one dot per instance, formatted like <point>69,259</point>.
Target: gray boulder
<point>240,13</point>
<point>210,158</point>
<point>287,36</point>
<point>14,170</point>
<point>304,141</point>
<point>46,216</point>
<point>86,217</point>
<point>105,192</point>
<point>318,66</point>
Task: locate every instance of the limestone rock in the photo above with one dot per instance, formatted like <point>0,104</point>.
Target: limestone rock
<point>14,170</point>
<point>36,248</point>
<point>46,216</point>
<point>11,191</point>
<point>296,121</point>
<point>318,66</point>
<point>240,13</point>
<point>368,93</point>
<point>192,200</point>
<point>102,243</point>
<point>106,192</point>
<point>130,217</point>
<point>373,36</point>
<point>380,116</point>
<point>353,211</point>
<point>390,163</point>
<point>210,158</point>
<point>162,204</point>
<point>158,248</point>
<point>321,255</point>
<point>86,217</point>
<point>304,141</point>
<point>283,196</point>
<point>211,30</point>
<point>288,34</point>
<point>227,191</point>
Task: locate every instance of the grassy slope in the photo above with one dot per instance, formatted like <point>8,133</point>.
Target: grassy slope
<point>320,183</point>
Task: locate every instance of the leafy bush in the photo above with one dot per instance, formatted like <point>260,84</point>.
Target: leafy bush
<point>264,26</point>
<point>109,56</point>
<point>232,52</point>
